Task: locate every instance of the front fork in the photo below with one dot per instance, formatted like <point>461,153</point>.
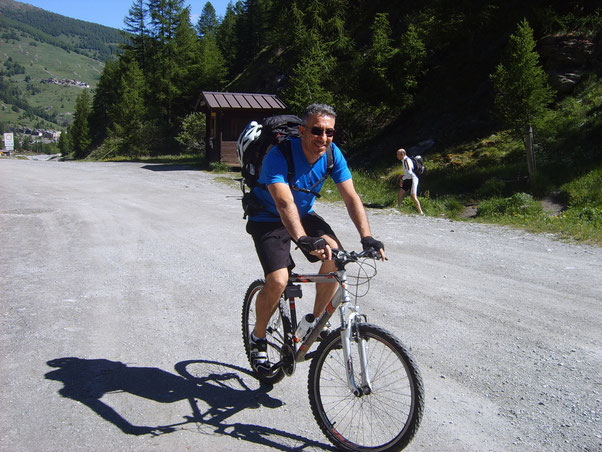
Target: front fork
<point>350,320</point>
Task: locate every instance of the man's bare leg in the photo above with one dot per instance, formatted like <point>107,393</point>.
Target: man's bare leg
<point>267,299</point>
<point>400,195</point>
<point>416,203</point>
<point>324,291</point>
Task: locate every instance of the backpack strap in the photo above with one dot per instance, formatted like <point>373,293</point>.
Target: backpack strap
<point>291,170</point>
<point>286,148</point>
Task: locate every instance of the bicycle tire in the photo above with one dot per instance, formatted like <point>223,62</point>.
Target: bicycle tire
<point>385,420</point>
<point>274,332</point>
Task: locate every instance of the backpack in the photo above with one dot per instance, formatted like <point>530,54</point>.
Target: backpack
<point>419,168</point>
<point>254,143</point>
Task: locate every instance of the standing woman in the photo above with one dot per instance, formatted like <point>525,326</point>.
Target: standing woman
<point>409,181</point>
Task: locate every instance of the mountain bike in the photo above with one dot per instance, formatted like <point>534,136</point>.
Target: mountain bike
<point>365,389</point>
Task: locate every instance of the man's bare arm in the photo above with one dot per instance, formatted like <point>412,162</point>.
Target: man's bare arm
<point>285,204</point>
<point>289,215</point>
<point>356,210</point>
<point>355,207</point>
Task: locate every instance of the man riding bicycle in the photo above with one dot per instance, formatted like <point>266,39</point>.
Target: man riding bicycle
<point>288,214</point>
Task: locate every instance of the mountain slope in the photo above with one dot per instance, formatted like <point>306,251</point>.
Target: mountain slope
<point>93,40</point>
<point>45,61</point>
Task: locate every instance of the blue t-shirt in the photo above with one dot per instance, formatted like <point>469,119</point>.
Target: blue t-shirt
<point>275,169</point>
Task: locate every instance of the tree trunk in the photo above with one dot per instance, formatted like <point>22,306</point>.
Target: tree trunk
<point>529,147</point>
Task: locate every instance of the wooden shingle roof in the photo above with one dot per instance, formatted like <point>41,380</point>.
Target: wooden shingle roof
<point>245,101</point>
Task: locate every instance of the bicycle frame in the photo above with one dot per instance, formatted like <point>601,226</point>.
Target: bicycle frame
<point>348,315</point>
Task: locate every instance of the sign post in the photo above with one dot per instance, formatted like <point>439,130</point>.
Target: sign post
<point>9,142</point>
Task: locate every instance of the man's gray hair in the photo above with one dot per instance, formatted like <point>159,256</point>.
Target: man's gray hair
<point>318,110</point>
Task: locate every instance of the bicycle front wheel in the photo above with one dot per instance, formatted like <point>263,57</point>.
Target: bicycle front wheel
<point>274,331</point>
<point>386,418</point>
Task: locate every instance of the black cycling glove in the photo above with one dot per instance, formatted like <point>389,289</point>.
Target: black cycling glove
<point>369,242</point>
<point>308,244</point>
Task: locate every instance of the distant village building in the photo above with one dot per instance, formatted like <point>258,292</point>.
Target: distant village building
<point>53,135</point>
<point>49,134</point>
<point>67,82</point>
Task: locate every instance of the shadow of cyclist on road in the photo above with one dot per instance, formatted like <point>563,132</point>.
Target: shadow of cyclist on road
<point>217,386</point>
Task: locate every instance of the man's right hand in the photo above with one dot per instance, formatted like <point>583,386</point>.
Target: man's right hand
<point>316,246</point>
<point>309,244</point>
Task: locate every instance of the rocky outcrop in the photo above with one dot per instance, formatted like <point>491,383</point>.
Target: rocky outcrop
<point>566,58</point>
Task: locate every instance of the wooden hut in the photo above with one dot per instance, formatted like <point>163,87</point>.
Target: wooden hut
<point>228,114</point>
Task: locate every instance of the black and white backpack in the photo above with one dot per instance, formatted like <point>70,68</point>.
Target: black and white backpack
<point>418,163</point>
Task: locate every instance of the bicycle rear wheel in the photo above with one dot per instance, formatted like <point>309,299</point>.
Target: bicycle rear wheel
<point>274,331</point>
<point>385,419</point>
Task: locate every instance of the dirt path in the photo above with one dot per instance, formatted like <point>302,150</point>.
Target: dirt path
<point>120,328</point>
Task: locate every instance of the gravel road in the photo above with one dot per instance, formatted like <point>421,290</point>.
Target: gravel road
<point>121,290</point>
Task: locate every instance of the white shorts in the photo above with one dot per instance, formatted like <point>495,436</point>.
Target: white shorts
<point>413,188</point>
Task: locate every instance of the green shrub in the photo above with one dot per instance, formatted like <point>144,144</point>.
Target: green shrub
<point>585,190</point>
<point>539,184</point>
<point>493,187</point>
<point>446,206</point>
<point>192,133</point>
<point>582,223</point>
<point>453,207</point>
<point>591,215</point>
<point>519,204</point>
<point>219,167</point>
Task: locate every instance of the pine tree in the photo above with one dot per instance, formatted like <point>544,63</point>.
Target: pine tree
<point>257,25</point>
<point>137,31</point>
<point>308,82</point>
<point>64,144</point>
<point>105,97</point>
<point>226,39</point>
<point>405,66</point>
<point>162,80</point>
<point>79,130</point>
<point>212,71</point>
<point>522,92</point>
<point>127,113</point>
<point>316,33</point>
<point>208,22</point>
<point>378,59</point>
<point>164,18</point>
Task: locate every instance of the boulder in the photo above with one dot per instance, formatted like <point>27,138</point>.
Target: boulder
<point>565,57</point>
<point>421,147</point>
<point>564,82</point>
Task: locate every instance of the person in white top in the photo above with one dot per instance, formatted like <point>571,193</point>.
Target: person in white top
<point>409,181</point>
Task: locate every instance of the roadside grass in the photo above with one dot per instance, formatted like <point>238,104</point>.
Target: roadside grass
<point>583,224</point>
<point>499,193</point>
<point>183,159</point>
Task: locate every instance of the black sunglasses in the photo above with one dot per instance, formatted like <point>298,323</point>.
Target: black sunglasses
<point>318,131</point>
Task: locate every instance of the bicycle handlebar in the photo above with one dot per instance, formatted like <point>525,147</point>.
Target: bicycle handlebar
<point>342,257</point>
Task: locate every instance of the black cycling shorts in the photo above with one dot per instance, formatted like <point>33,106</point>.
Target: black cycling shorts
<point>273,242</point>
<point>406,185</point>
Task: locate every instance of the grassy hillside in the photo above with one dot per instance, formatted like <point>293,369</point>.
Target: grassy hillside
<point>42,61</point>
<point>485,178</point>
<point>36,45</point>
<point>93,40</point>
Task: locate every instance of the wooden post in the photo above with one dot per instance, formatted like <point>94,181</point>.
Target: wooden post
<point>529,146</point>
